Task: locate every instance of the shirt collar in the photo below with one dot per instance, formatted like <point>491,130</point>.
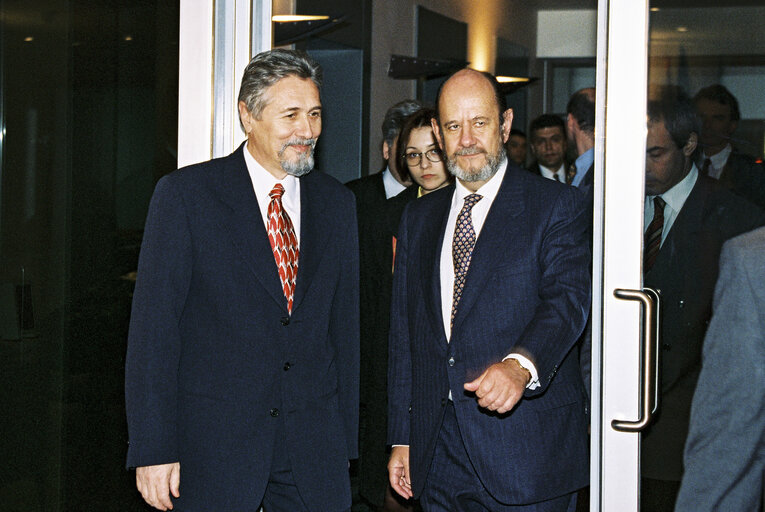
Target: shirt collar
<point>547,172</point>
<point>391,184</point>
<point>263,181</point>
<point>720,159</point>
<point>488,190</point>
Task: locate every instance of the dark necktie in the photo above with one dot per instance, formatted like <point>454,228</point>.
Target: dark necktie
<point>281,235</point>
<point>462,248</point>
<point>652,237</point>
<point>706,167</point>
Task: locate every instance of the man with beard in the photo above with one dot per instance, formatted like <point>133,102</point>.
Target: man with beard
<point>243,351</point>
<point>491,291</point>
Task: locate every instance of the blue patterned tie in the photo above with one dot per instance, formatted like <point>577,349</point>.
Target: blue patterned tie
<point>462,248</point>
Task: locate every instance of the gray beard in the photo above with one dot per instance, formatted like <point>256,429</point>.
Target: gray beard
<point>304,164</point>
<point>490,168</point>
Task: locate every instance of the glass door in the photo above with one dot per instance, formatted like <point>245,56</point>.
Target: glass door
<point>647,348</point>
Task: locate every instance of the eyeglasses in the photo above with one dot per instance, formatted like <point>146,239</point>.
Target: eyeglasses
<point>414,158</point>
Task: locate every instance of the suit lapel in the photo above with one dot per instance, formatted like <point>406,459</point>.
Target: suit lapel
<point>430,258</point>
<point>494,242</point>
<point>245,225</point>
<point>313,235</point>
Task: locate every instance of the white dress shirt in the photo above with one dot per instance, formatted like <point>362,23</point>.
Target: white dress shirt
<point>263,182</point>
<point>675,199</point>
<point>391,184</point>
<point>559,175</point>
<point>478,213</point>
<point>717,162</point>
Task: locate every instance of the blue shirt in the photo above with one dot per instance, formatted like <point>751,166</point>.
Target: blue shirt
<point>583,164</point>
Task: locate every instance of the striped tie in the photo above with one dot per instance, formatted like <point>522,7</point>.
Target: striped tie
<point>652,237</point>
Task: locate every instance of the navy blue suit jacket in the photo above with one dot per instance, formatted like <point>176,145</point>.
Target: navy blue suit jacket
<point>217,371</point>
<point>527,291</point>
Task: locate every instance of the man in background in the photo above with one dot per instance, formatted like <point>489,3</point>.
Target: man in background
<point>548,145</point>
<point>580,126</point>
<point>717,157</point>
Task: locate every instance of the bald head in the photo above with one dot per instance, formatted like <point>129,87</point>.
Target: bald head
<point>471,126</point>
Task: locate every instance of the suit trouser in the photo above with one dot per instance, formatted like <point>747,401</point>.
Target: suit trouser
<point>282,494</point>
<point>452,485</point>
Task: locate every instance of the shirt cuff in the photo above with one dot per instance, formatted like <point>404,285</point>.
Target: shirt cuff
<point>527,364</point>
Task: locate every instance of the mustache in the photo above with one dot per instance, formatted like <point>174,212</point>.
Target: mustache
<point>468,151</point>
<point>299,142</point>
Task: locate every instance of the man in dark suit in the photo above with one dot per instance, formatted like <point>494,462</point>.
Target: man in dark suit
<point>725,452</point>
<point>718,158</point>
<point>491,290</point>
<point>688,216</point>
<point>376,254</point>
<point>243,360</point>
<point>548,144</point>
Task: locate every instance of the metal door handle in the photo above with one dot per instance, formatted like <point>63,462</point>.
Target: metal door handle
<point>649,389</point>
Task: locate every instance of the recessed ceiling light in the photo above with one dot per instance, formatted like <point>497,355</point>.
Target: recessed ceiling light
<point>682,29</point>
<point>128,38</point>
<point>285,18</point>
<point>511,79</point>
<point>29,39</point>
<point>655,9</point>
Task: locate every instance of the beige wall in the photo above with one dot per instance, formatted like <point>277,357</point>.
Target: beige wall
<point>393,32</point>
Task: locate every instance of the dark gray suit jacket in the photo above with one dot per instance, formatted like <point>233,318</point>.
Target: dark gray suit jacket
<point>725,452</point>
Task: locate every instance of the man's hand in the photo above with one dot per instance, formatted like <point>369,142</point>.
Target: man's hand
<point>501,386</point>
<point>156,482</point>
<point>398,471</point>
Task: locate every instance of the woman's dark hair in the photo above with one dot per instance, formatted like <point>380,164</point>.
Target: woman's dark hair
<point>419,119</point>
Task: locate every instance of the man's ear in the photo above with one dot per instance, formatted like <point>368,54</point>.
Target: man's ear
<point>690,146</point>
<point>571,124</point>
<point>437,133</point>
<point>246,117</point>
<point>386,150</point>
<point>507,123</point>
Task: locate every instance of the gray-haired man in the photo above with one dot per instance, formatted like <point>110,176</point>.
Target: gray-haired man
<point>243,352</point>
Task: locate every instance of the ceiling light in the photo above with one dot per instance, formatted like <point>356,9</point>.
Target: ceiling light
<point>682,29</point>
<point>287,18</point>
<point>29,39</point>
<point>511,79</point>
<point>655,9</point>
<point>128,38</point>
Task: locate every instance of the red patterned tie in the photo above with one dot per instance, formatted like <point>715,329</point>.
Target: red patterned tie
<point>462,248</point>
<point>281,235</point>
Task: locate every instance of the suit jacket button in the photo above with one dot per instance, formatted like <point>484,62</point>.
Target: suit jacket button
<point>274,412</point>
<point>666,346</point>
<point>443,402</point>
<point>451,361</point>
<point>287,366</point>
<point>285,320</point>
